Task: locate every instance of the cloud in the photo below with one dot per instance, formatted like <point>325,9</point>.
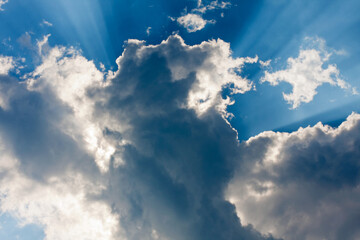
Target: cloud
<point>61,204</point>
<point>301,185</point>
<point>211,6</point>
<point>65,74</point>
<point>148,31</point>
<point>211,65</point>
<point>180,150</point>
<point>140,153</point>
<point>265,63</point>
<point>193,22</point>
<point>146,152</point>
<point>6,64</point>
<point>2,2</point>
<point>46,177</point>
<point>306,73</point>
<point>46,23</point>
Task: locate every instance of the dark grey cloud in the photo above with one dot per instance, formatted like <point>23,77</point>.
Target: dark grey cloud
<point>30,123</point>
<point>177,164</point>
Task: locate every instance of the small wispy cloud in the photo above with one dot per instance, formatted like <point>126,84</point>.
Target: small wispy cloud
<point>148,31</point>
<point>2,2</point>
<point>211,6</point>
<point>46,23</point>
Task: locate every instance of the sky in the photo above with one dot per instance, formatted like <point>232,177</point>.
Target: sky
<point>179,120</point>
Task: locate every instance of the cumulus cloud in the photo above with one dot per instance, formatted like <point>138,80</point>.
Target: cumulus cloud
<point>65,74</point>
<point>47,178</point>
<point>60,204</point>
<point>145,152</point>
<point>141,153</point>
<point>210,63</point>
<point>6,64</point>
<point>193,22</point>
<point>2,2</point>
<point>180,149</point>
<point>301,185</point>
<point>306,73</point>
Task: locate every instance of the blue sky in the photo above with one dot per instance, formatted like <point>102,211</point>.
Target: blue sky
<point>268,29</point>
<point>168,98</point>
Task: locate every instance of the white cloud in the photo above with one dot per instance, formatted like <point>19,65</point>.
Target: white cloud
<point>265,63</point>
<point>211,6</point>
<point>46,23</point>
<point>155,130</point>
<point>306,73</point>
<point>60,205</point>
<point>68,75</point>
<point>6,64</point>
<point>117,152</point>
<point>2,2</point>
<point>301,185</point>
<point>148,31</point>
<point>193,22</point>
